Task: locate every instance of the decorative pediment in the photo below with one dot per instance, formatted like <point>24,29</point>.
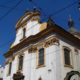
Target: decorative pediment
<point>22,20</point>
<point>29,15</point>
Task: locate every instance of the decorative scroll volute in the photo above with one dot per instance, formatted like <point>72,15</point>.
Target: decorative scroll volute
<point>51,42</point>
<point>32,49</point>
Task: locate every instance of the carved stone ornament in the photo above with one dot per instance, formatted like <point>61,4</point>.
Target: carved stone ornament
<point>51,42</point>
<point>32,49</point>
<point>18,76</point>
<point>9,60</point>
<point>76,51</point>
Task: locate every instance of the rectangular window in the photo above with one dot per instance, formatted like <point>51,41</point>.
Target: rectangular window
<point>24,32</point>
<point>20,66</point>
<point>9,68</point>
<point>67,56</point>
<point>41,57</point>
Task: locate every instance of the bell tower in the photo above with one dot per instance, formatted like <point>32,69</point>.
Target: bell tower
<point>72,28</point>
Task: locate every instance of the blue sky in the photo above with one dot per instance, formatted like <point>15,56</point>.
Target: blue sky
<point>9,17</point>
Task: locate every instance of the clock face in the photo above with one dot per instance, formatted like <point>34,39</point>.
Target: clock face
<point>75,77</point>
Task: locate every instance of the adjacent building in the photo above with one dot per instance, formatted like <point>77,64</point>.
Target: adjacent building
<point>42,51</point>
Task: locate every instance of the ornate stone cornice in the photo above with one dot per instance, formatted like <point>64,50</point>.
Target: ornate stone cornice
<point>51,29</point>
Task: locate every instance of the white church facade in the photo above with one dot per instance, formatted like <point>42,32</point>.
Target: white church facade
<point>42,51</point>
